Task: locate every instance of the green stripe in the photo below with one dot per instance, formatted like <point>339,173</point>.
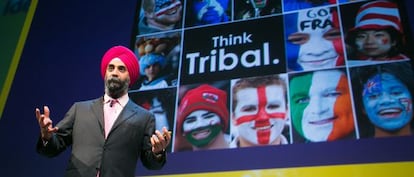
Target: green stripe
<point>299,98</point>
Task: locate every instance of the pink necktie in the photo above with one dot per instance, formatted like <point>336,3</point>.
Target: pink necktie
<point>110,115</point>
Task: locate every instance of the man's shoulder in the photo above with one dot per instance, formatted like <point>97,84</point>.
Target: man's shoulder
<point>89,102</point>
<point>137,108</point>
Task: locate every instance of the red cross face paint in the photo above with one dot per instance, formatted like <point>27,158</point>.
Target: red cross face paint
<point>260,113</point>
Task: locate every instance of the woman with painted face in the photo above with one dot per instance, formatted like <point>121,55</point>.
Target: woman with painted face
<point>383,97</point>
<point>259,111</point>
<point>313,39</point>
<point>377,35</point>
<point>321,107</point>
<point>202,119</point>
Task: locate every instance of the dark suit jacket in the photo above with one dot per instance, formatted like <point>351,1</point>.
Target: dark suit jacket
<point>117,156</point>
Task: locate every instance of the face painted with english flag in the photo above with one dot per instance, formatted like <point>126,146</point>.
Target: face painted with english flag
<point>321,105</point>
<point>313,39</point>
<point>260,113</point>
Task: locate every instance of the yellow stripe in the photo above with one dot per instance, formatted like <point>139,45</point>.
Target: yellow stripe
<point>16,57</point>
<point>391,169</point>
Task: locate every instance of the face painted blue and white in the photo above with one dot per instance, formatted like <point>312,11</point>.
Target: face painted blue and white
<point>210,11</point>
<point>387,102</point>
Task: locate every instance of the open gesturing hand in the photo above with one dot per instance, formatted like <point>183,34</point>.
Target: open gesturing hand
<point>45,123</point>
<point>160,141</point>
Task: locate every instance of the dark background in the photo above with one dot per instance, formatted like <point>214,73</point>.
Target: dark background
<point>60,64</point>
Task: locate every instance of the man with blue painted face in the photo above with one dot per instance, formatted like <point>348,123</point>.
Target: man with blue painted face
<point>159,15</point>
<point>386,94</point>
<point>205,12</point>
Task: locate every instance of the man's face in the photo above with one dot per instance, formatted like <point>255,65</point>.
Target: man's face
<point>116,78</point>
<point>318,39</point>
<point>374,43</point>
<point>260,113</point>
<point>201,127</point>
<point>321,105</point>
<point>167,12</point>
<point>387,102</point>
<point>209,11</point>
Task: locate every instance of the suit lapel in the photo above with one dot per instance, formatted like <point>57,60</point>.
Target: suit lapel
<point>126,114</point>
<point>97,108</point>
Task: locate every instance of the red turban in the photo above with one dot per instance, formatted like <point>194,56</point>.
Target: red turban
<point>127,57</point>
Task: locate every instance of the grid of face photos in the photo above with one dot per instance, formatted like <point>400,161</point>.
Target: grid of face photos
<point>243,73</point>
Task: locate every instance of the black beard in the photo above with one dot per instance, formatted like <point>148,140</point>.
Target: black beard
<point>115,87</point>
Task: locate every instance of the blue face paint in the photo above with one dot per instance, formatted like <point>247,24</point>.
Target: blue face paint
<point>210,11</point>
<point>373,85</point>
<point>387,102</point>
<point>292,50</point>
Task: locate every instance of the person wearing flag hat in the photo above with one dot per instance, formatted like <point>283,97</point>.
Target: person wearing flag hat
<point>260,111</point>
<point>384,99</point>
<point>107,135</point>
<point>203,118</point>
<point>321,106</point>
<point>377,35</point>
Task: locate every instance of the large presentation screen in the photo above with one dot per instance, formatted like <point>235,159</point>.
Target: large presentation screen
<point>244,74</point>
